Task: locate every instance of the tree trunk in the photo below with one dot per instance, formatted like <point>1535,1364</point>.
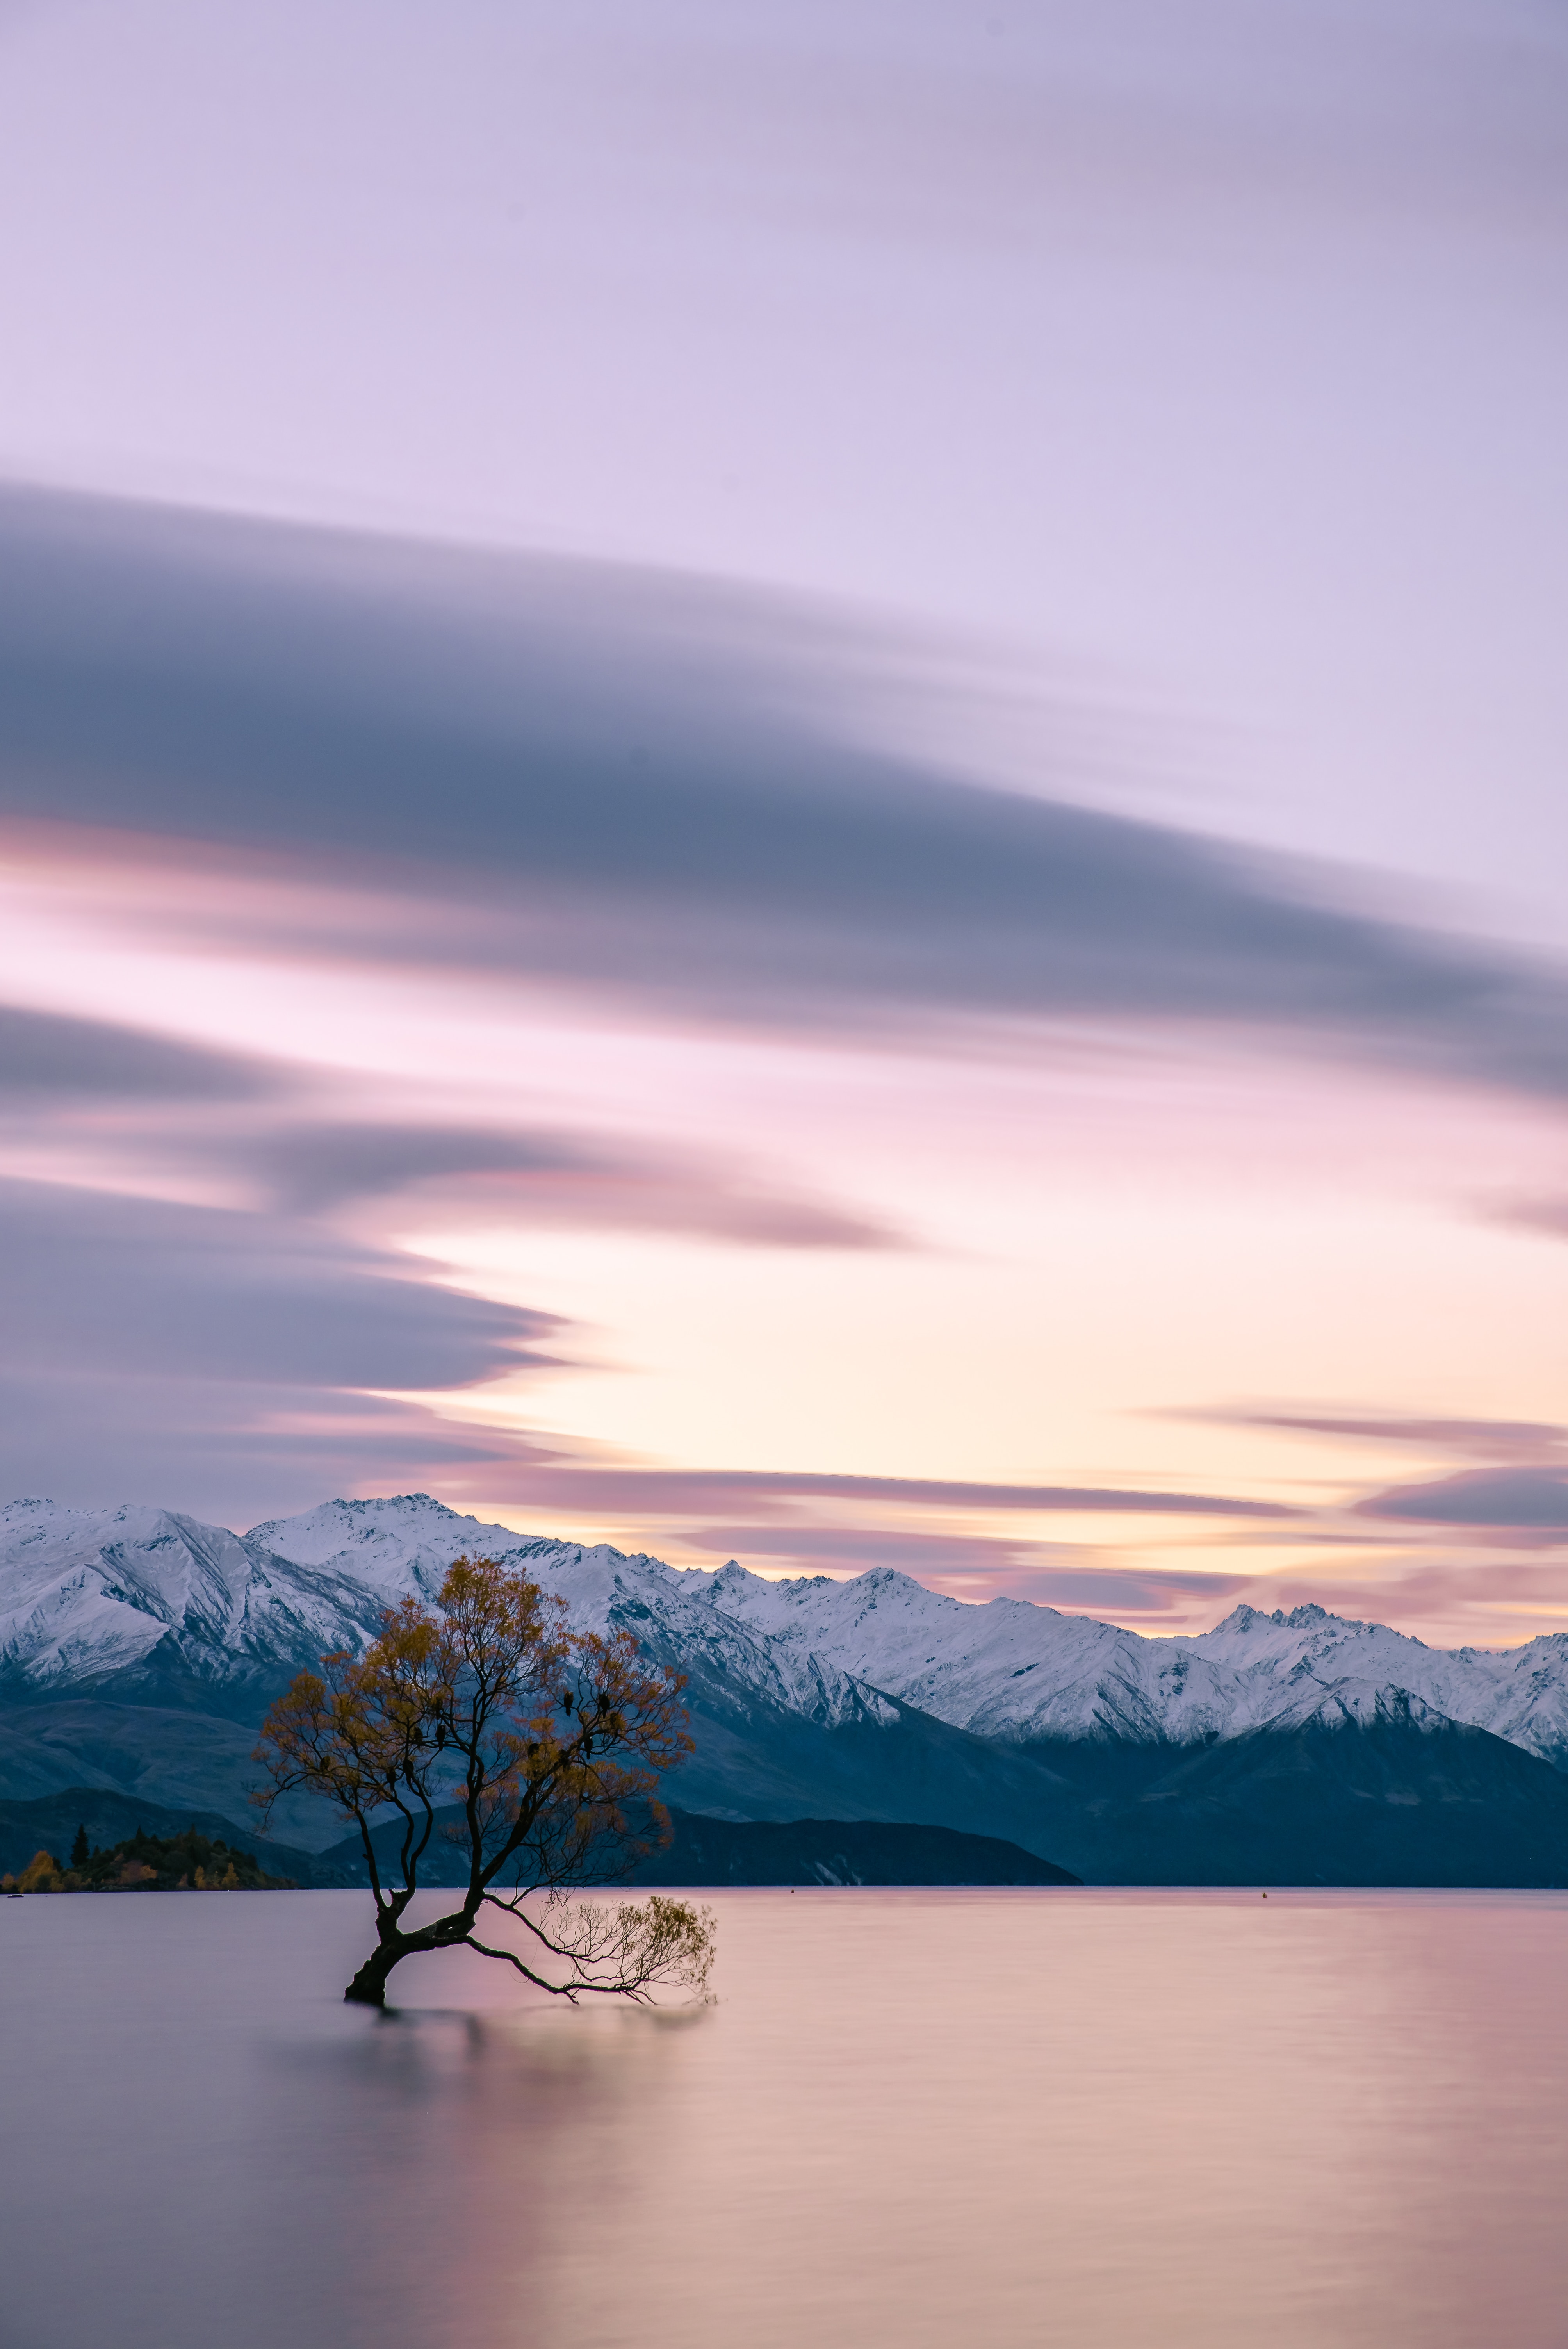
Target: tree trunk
<point>369,1987</point>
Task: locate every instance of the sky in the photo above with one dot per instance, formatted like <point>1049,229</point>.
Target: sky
<point>786,782</point>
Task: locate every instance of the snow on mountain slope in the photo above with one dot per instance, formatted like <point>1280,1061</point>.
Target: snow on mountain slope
<point>398,1547</point>
<point>405,1544</point>
<point>90,1595</point>
<point>1011,1669</point>
<point>1005,1670</point>
<point>94,1590</point>
<point>1518,1693</point>
<point>93,1594</point>
<point>113,1598</point>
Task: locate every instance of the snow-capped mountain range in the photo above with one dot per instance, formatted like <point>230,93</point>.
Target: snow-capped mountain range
<point>118,1603</point>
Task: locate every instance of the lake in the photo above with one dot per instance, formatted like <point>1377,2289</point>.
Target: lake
<point>922,2117</point>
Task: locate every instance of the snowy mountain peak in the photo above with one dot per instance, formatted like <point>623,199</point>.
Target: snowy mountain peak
<point>84,1592</point>
<point>1244,1617</point>
<point>124,1599</point>
<point>1017,1672</point>
<point>397,1544</point>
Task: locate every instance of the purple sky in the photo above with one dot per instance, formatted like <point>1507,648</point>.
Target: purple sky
<point>788,779</point>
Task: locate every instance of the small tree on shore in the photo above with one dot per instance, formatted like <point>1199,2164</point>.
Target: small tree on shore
<point>544,1744</point>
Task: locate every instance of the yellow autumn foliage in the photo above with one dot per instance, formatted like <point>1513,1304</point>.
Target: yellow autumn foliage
<point>490,1724</point>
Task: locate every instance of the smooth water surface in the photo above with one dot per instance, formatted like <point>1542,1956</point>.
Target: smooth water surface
<point>921,2117</point>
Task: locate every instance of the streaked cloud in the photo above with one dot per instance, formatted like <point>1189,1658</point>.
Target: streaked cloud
<point>657,790</point>
<point>1548,1216</point>
<point>210,1359</point>
<point>227,1449</point>
<point>48,1058</point>
<point>510,933</point>
<point>1494,1439</point>
<point>1530,1499</point>
<point>52,1066</point>
<point>670,1492</point>
<point>96,1283</point>
<point>646,794</point>
<point>539,1177</point>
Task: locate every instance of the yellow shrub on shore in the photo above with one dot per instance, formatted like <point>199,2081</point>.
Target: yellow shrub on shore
<point>43,1873</point>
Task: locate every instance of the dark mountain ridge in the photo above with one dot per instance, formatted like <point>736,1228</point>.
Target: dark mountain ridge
<point>709,1851</point>
<point>140,1649</point>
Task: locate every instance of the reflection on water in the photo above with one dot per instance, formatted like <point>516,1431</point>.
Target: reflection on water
<point>915,2117</point>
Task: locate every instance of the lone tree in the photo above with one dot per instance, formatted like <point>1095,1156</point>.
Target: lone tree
<point>535,1749</point>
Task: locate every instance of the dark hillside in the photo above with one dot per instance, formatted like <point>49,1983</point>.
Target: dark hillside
<point>110,1818</point>
<point>706,1851</point>
<point>1398,1801</point>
